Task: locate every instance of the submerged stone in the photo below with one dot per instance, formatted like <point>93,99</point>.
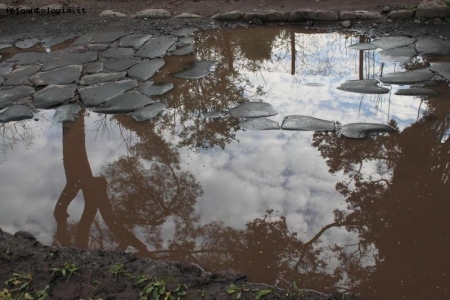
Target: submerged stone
<point>362,46</point>
<point>185,50</point>
<point>67,59</point>
<point>155,89</point>
<point>28,58</point>
<point>98,47</point>
<point>28,43</point>
<point>416,91</point>
<point>432,46</point>
<point>83,39</point>
<point>106,37</point>
<point>149,112</point>
<point>415,76</point>
<point>66,113</point>
<point>146,69</point>
<point>313,84</point>
<point>361,130</point>
<point>53,41</point>
<point>259,124</point>
<point>212,114</point>
<point>197,70</point>
<point>21,76</point>
<point>64,75</point>
<point>184,31</point>
<point>119,65</point>
<point>253,110</point>
<point>442,68</point>
<point>125,103</point>
<point>53,95</point>
<point>368,86</point>
<point>156,47</point>
<point>4,45</point>
<point>16,113</point>
<point>98,93</point>
<point>134,40</point>
<point>101,77</point>
<point>402,54</point>
<point>306,123</point>
<point>186,40</point>
<point>117,53</point>
<point>388,42</point>
<point>9,96</point>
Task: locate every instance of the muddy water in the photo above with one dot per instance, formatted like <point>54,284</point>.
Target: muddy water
<point>367,216</point>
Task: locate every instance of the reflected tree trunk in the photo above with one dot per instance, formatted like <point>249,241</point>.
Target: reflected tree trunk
<point>292,52</point>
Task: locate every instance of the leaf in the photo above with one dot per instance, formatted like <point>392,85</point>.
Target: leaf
<point>63,272</point>
<point>239,295</point>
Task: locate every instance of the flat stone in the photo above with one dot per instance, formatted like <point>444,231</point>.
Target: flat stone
<point>16,113</point>
<point>253,110</point>
<point>83,39</point>
<point>408,77</point>
<point>64,75</point>
<point>72,49</point>
<point>388,42</point>
<point>94,67</point>
<point>442,68</point>
<point>154,14</point>
<point>106,37</point>
<point>21,76</point>
<point>433,9</point>
<point>415,91</point>
<point>117,53</point>
<point>149,112</point>
<point>302,15</point>
<point>432,46</point>
<point>28,58</point>
<point>98,47</point>
<point>186,40</point>
<point>9,96</point>
<point>125,103</point>
<point>146,69</point>
<point>368,86</point>
<point>306,123</point>
<point>259,124</point>
<point>361,130</point>
<point>362,46</point>
<point>187,16</point>
<point>96,94</point>
<point>110,13</point>
<point>197,70</point>
<point>54,95</point>
<point>403,54</point>
<point>119,65</point>
<point>67,59</point>
<point>134,40</point>
<point>53,41</point>
<point>360,14</point>
<point>346,24</point>
<point>2,80</point>
<point>5,68</point>
<point>184,32</point>
<point>156,47</point>
<point>28,43</point>
<point>267,16</point>
<point>401,14</point>
<point>185,50</point>
<point>228,16</point>
<point>212,114</point>
<point>155,89</point>
<point>67,113</point>
<point>101,77</point>
<point>4,45</point>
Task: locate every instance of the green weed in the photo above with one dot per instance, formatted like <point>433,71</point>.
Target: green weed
<point>264,292</point>
<point>66,270</point>
<point>238,290</point>
<point>295,292</point>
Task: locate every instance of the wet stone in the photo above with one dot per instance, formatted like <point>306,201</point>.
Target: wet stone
<point>186,40</point>
<point>98,47</point>
<point>67,59</point>
<point>415,76</point>
<point>125,103</point>
<point>16,113</point>
<point>154,14</point>
<point>98,93</point>
<point>119,65</point>
<point>146,69</point>
<point>149,112</point>
<point>267,16</point>
<point>3,46</point>
<point>9,96</point>
<point>54,95</point>
<point>53,41</point>
<point>117,53</point>
<point>101,77</point>
<point>253,110</point>
<point>306,123</point>
<point>21,76</point>
<point>184,32</point>
<point>95,67</point>
<point>197,70</point>
<point>388,42</point>
<point>83,39</point>
<point>6,68</point>
<point>155,89</point>
<point>259,124</point>
<point>363,46</point>
<point>106,38</point>
<point>361,130</point>
<point>2,80</point>
<point>415,91</point>
<point>134,40</point>
<point>403,54</point>
<point>28,43</point>
<point>368,86</point>
<point>66,113</point>
<point>432,46</point>
<point>313,84</point>
<point>228,16</point>
<point>28,58</point>
<point>442,68</point>
<point>64,75</point>
<point>212,114</point>
<point>185,50</point>
<point>156,47</point>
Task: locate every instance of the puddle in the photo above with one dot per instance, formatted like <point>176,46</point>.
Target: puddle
<point>200,177</point>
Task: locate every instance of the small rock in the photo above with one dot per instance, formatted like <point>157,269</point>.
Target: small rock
<point>374,25</point>
<point>437,21</point>
<point>433,9</point>
<point>346,24</point>
<point>257,22</point>
<point>154,14</point>
<point>110,13</point>
<point>386,9</point>
<point>187,16</point>
<point>401,14</point>
<point>417,21</point>
<point>228,16</point>
<point>184,32</point>
<point>309,23</point>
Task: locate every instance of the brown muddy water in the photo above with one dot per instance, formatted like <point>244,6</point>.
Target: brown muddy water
<point>368,216</point>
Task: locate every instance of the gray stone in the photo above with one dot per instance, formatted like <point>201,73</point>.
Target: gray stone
<point>72,49</point>
<point>54,95</point>
<point>154,14</point>
<point>53,41</point>
<point>306,123</point>
<point>361,130</point>
<point>401,14</point>
<point>5,68</point>
<point>184,32</point>
<point>313,84</point>
<point>67,113</point>
<point>388,42</point>
<point>186,40</point>
<point>259,124</point>
<point>149,112</point>
<point>28,58</point>
<point>197,70</point>
<point>106,37</point>
<point>185,50</point>
<point>117,53</point>
<point>432,46</point>
<point>96,94</point>
<point>125,103</point>
<point>64,75</point>
<point>16,113</point>
<point>94,67</point>
<point>67,59</point>
<point>4,45</point>
<point>403,54</point>
<point>119,65</point>
<point>302,15</point>
<point>9,96</point>
<point>134,40</point>
<point>433,9</point>
<point>101,77</point>
<point>228,16</point>
<point>442,68</point>
<point>368,86</point>
<point>21,76</point>
<point>346,24</point>
<point>98,47</point>
<point>146,69</point>
<point>267,16</point>
<point>386,9</point>
<point>212,114</point>
<point>3,10</point>
<point>156,47</point>
<point>110,13</point>
<point>155,89</point>
<point>253,110</point>
<point>28,43</point>
<point>415,91</point>
<point>83,39</point>
<point>2,80</point>
<point>187,16</point>
<point>408,77</point>
<point>362,46</point>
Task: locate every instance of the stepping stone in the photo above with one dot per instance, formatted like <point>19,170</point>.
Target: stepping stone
<point>197,70</point>
<point>212,115</point>
<point>101,77</point>
<point>67,59</point>
<point>156,47</point>
<point>117,53</point>
<point>9,96</point>
<point>21,76</point>
<point>361,130</point>
<point>119,65</point>
<point>53,41</point>
<point>442,68</point>
<point>259,124</point>
<point>53,95</point>
<point>5,68</point>
<point>432,46</point>
<point>228,16</point>
<point>134,40</point>
<point>96,94</point>
<point>106,38</point>
<point>110,13</point>
<point>388,42</point>
<point>16,113</point>
<point>433,9</point>
<point>154,14</point>
<point>415,91</point>
<point>125,103</point>
<point>184,32</point>
<point>83,39</point>
<point>362,46</point>
<point>187,16</point>
<point>95,67</point>
<point>306,123</point>
<point>253,110</point>
<point>28,43</point>
<point>3,46</point>
<point>155,89</point>
<point>408,77</point>
<point>368,86</point>
<point>66,113</point>
<point>64,75</point>
<point>28,58</point>
<point>185,50</point>
<point>186,40</point>
<point>403,54</point>
<point>98,47</point>
<point>146,69</point>
<point>149,112</point>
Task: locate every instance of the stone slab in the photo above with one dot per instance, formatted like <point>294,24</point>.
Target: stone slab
<point>156,47</point>
<point>119,65</point>
<point>53,41</point>
<point>388,42</point>
<point>96,94</point>
<point>146,69</point>
<point>134,40</point>
<point>302,15</point>
<point>368,86</point>
<point>125,103</point>
<point>64,75</point>
<point>94,67</point>
<point>408,77</point>
<point>67,113</point>
<point>432,46</point>
<point>67,59</point>
<point>101,77</point>
<point>83,39</point>
<point>21,76</point>
<point>259,124</point>
<point>5,68</point>
<point>362,130</point>
<point>16,113</point>
<point>149,112</point>
<point>9,96</point>
<point>253,110</point>
<point>307,123</point>
<point>28,58</point>
<point>98,47</point>
<point>402,54</point>
<point>197,70</point>
<point>154,14</point>
<point>54,95</point>
<point>442,68</point>
<point>27,43</point>
<point>106,37</point>
<point>155,89</point>
<point>184,32</point>
<point>417,91</point>
<point>401,14</point>
<point>228,16</point>
<point>185,50</point>
<point>117,53</point>
<point>433,9</point>
<point>267,16</point>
